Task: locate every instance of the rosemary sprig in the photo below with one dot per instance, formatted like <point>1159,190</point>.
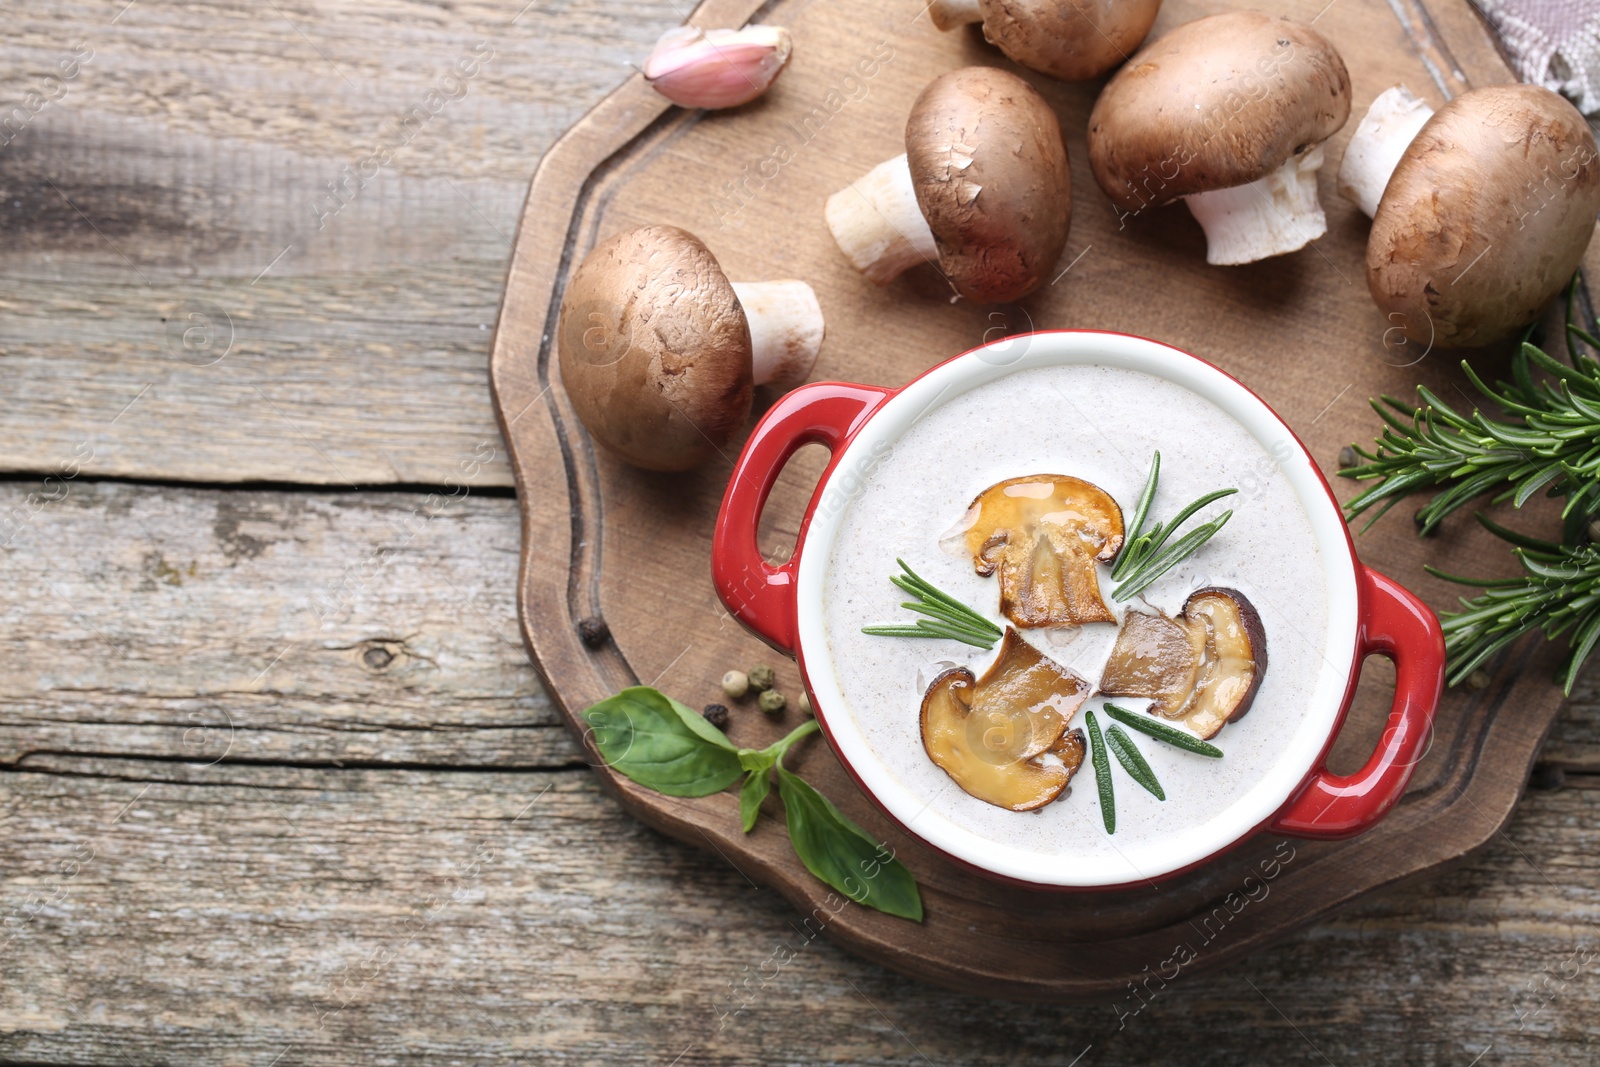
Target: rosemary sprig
<point>1558,594</point>
<point>1142,559</point>
<point>948,618</point>
<point>1548,440</point>
<point>1162,732</point>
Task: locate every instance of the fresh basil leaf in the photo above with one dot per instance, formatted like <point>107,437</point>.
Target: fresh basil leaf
<point>757,784</point>
<point>645,736</point>
<point>697,722</point>
<point>840,853</point>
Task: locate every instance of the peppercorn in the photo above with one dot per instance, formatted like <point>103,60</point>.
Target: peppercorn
<point>1348,457</point>
<point>761,678</point>
<point>772,702</point>
<point>593,631</point>
<point>804,703</point>
<point>735,684</point>
<point>717,715</point>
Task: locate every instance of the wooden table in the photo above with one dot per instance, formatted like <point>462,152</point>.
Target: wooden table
<point>277,782</point>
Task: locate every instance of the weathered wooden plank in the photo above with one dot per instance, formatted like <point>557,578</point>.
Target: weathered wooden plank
<point>372,627</point>
<point>203,625</point>
<point>178,225</point>
<point>158,913</point>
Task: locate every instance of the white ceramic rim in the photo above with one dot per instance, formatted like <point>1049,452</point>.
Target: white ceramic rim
<point>1068,348</point>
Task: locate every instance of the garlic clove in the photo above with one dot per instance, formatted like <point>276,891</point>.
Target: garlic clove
<point>717,68</point>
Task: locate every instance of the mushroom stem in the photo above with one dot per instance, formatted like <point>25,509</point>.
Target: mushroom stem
<point>1385,132</point>
<point>948,14</point>
<point>1272,215</point>
<point>785,330</point>
<point>878,223</point>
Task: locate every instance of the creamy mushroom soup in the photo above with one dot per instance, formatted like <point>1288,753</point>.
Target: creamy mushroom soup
<point>1100,424</point>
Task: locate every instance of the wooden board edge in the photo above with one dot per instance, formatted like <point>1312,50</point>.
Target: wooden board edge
<point>552,215</point>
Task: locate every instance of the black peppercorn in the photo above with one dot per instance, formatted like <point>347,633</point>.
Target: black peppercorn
<point>593,631</point>
<point>717,715</point>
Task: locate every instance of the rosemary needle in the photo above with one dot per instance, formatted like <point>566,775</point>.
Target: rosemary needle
<point>1102,773</point>
<point>1132,761</point>
<point>1145,555</point>
<point>947,617</point>
<point>1162,732</point>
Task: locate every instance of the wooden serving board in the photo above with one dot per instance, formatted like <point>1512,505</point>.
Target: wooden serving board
<point>603,541</point>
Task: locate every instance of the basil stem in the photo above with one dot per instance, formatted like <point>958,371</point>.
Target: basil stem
<point>1102,773</point>
<point>1162,732</point>
<point>1132,761</point>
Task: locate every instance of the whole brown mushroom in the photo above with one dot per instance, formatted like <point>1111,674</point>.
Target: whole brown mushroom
<point>1073,40</point>
<point>983,190</point>
<point>1485,217</point>
<point>1229,114</point>
<point>659,351</point>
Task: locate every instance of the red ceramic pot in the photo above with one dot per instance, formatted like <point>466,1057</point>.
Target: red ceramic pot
<point>1324,614</point>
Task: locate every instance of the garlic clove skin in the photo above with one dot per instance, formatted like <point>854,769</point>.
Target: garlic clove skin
<point>714,69</point>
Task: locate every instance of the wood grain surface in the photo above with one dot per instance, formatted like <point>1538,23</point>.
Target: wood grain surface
<point>207,928</point>
<point>196,165</point>
<point>233,906</point>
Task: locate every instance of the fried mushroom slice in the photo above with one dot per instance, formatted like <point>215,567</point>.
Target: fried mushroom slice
<point>1155,657</point>
<point>1003,737</point>
<point>1235,658</point>
<point>1202,668</point>
<point>1044,534</point>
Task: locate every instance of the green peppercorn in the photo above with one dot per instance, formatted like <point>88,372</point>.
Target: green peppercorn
<point>761,678</point>
<point>772,702</point>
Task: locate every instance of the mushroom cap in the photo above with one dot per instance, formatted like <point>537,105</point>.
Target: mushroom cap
<point>1073,40</point>
<point>655,350</point>
<point>1218,102</point>
<point>1485,218</point>
<point>991,177</point>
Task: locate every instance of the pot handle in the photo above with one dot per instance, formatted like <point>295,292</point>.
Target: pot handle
<point>757,593</point>
<point>1397,624</point>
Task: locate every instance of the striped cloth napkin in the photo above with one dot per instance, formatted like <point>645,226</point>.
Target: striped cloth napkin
<point>1553,43</point>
